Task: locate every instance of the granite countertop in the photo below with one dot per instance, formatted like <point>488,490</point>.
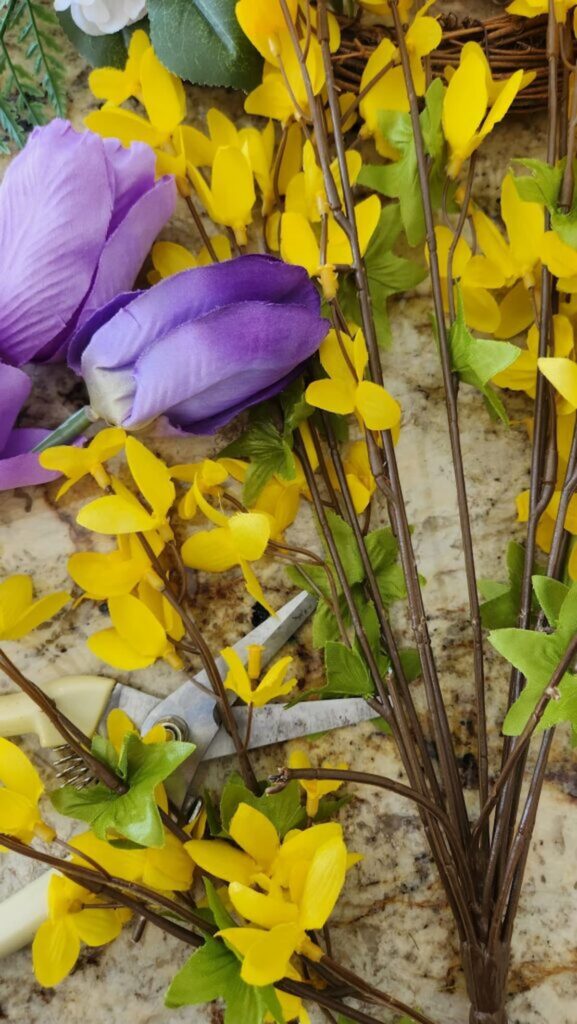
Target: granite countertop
<point>392,924</point>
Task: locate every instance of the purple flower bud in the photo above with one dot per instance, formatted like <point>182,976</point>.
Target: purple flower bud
<point>18,466</point>
<point>78,215</point>
<point>201,346</point>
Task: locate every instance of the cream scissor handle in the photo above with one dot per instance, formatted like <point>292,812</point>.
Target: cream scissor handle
<point>82,699</point>
<point>23,913</point>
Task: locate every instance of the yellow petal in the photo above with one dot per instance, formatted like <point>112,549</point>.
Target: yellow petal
<point>15,597</point>
<point>378,409</point>
<point>97,927</point>
<point>274,684</point>
<point>169,258</point>
<point>151,476</point>
<point>221,129</point>
<point>525,226</point>
<point>324,882</point>
<point>260,909</point>
<point>465,102</point>
<point>254,588</point>
<point>18,815</point>
<point>481,310</point>
<point>137,625</point>
<point>198,150</point>
<point>333,395</point>
<point>298,242</point>
<point>42,610</point>
<point>361,356</point>
<point>55,950</point>
<point>104,575</point>
<point>516,312</point>
<point>210,550</point>
<point>559,257</point>
<point>562,373</point>
<point>251,830</point>
<point>237,679</point>
<point>232,187</point>
<point>118,725</point>
<point>117,123</point>
<point>502,103</point>
<point>270,99</point>
<point>18,773</point>
<point>108,645</point>
<point>250,532</point>
<point>162,93</point>
<point>169,869</point>
<point>221,860</point>
<point>267,959</point>
<point>115,514</point>
<point>110,84</point>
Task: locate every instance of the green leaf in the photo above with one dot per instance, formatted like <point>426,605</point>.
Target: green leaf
<point>133,814</point>
<point>477,360</point>
<point>325,625</point>
<point>347,674</point>
<point>213,972</point>
<point>283,809</point>
<point>383,553</point>
<point>202,41</point>
<point>503,600</point>
<point>269,454</point>
<point>312,578</point>
<point>329,807</point>
<point>221,915</point>
<point>543,183</point>
<point>550,594</point>
<point>296,410</point>
<point>565,224</point>
<point>347,547</point>
<point>99,51</point>
<point>536,656</point>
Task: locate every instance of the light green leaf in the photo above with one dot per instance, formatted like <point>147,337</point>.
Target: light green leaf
<point>222,918</point>
<point>312,578</point>
<point>202,41</point>
<point>543,183</point>
<point>502,601</point>
<point>213,972</point>
<point>550,595</point>
<point>133,814</point>
<point>477,360</point>
<point>347,547</point>
<point>296,410</point>
<point>347,674</point>
<point>383,554</point>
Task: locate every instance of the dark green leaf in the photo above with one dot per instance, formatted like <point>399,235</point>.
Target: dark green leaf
<point>347,674</point>
<point>269,454</point>
<point>329,807</point>
<point>282,809</point>
<point>202,41</point>
<point>383,553</point>
<point>296,410</point>
<point>99,51</point>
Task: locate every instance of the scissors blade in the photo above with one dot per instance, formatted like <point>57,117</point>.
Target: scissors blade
<point>195,708</point>
<point>277,724</point>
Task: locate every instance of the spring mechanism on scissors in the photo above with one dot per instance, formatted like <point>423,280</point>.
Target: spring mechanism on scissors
<point>71,769</point>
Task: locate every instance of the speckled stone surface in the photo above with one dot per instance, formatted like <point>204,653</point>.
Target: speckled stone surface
<point>391,924</point>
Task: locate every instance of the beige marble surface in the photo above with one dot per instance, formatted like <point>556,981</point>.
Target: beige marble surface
<point>392,923</point>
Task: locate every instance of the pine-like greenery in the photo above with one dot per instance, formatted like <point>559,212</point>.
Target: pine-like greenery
<point>32,76</point>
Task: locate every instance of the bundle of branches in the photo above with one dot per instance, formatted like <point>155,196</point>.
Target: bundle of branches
<point>508,41</point>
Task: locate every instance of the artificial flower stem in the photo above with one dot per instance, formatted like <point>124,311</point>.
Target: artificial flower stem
<point>452,418</point>
<point>70,430</point>
<point>438,711</point>
<point>201,229</point>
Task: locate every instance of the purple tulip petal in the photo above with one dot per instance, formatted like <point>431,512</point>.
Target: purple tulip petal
<point>83,335</point>
<point>192,294</point>
<point>126,250</point>
<point>55,209</point>
<point>212,372</point>
<point>133,173</point>
<point>15,387</point>
<point>19,466</point>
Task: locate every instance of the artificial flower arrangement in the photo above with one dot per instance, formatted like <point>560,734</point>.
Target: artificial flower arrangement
<point>277,324</point>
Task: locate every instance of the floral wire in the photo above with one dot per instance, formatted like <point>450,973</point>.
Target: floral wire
<point>197,218</point>
<point>452,418</point>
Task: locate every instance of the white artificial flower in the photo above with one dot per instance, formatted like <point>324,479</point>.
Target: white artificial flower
<point>102,17</point>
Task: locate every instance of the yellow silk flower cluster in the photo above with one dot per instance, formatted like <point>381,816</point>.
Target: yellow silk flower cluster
<point>145,627</point>
<point>280,890</point>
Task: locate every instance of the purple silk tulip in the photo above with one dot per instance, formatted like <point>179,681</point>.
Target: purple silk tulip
<point>201,346</point>
<point>78,215</point>
<point>18,466</point>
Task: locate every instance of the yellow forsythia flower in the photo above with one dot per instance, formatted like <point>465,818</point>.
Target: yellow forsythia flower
<point>238,540</point>
<point>167,869</point>
<point>522,374</point>
<point>104,574</point>
<point>137,638</point>
<point>230,197</point>
<point>299,880</point>
<point>20,790</point>
<point>300,245</point>
<point>208,476</point>
<point>122,512</point>
<point>306,193</point>
<point>71,922</point>
<point>475,275</point>
<point>468,113</point>
<point>170,258</point>
<point>245,683</point>
<point>532,8</point>
<point>263,22</point>
<point>274,98</point>
<point>76,463</point>
<point>19,613</point>
<point>345,391</point>
<point>279,499</point>
<point>160,92</point>
<point>315,789</point>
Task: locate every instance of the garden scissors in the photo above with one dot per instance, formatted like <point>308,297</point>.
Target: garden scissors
<point>189,714</point>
